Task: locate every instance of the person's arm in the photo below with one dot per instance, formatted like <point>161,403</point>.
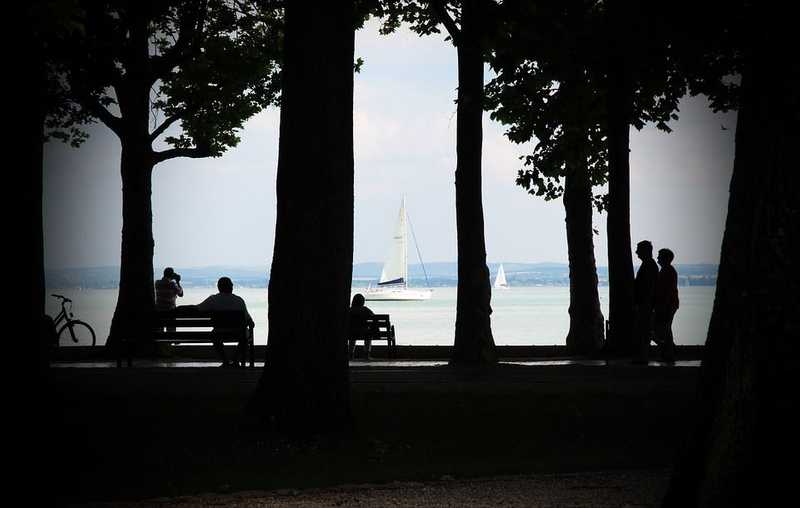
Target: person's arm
<point>250,321</point>
<point>205,304</point>
<point>178,288</point>
<point>674,286</point>
<point>649,288</point>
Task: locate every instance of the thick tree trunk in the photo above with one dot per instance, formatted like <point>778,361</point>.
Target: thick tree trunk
<point>586,322</point>
<point>740,452</point>
<point>305,387</point>
<point>620,259</point>
<point>136,299</point>
<point>29,275</point>
<point>34,126</point>
<point>473,344</point>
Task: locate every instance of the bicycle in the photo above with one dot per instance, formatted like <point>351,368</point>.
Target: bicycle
<point>81,333</point>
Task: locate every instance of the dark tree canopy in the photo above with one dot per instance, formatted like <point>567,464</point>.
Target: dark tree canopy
<point>544,91</point>
<point>210,65</point>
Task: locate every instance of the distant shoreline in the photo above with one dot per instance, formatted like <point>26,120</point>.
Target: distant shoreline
<point>435,275</point>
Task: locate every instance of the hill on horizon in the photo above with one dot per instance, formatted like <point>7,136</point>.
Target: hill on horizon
<point>440,274</point>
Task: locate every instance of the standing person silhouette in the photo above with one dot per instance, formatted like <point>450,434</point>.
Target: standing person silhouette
<point>168,289</point>
<point>665,305</point>
<point>643,297</point>
<point>358,324</point>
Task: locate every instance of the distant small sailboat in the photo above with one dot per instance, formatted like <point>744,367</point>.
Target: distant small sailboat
<point>500,281</point>
<point>393,284</point>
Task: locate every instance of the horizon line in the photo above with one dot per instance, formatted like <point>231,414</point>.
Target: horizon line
<point>267,265</point>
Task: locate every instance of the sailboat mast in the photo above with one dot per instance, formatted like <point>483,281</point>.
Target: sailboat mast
<point>419,254</point>
<point>404,236</point>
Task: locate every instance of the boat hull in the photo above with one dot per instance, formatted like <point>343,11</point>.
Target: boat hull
<point>397,294</point>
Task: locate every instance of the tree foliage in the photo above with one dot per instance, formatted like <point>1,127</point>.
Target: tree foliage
<point>552,61</point>
<point>50,23</point>
<point>210,66</point>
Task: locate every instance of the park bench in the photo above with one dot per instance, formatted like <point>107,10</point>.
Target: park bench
<point>379,327</point>
<point>188,325</point>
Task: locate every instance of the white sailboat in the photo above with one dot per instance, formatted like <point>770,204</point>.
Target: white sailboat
<point>500,281</point>
<point>393,284</point>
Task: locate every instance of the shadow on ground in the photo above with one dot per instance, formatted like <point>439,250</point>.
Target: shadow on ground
<point>151,432</point>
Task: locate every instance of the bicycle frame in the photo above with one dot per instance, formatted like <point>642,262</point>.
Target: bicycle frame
<point>63,314</point>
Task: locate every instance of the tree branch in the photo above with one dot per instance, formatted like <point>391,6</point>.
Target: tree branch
<point>440,12</point>
<point>96,109</point>
<point>271,4</point>
<point>166,125</point>
<point>194,153</point>
<point>190,33</point>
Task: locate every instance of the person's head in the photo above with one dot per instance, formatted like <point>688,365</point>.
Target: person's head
<point>225,285</point>
<point>665,257</point>
<point>169,273</point>
<point>644,250</point>
<point>358,300</point>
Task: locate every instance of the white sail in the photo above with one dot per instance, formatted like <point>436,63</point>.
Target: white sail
<point>393,284</point>
<point>395,270</point>
<point>500,281</point>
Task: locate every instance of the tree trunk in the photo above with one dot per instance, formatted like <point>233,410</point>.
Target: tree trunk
<point>620,259</point>
<point>740,450</point>
<point>136,299</point>
<point>473,344</point>
<point>31,95</point>
<point>305,387</point>
<point>586,322</point>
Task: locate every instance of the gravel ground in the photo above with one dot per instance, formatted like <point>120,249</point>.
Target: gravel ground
<point>598,489</point>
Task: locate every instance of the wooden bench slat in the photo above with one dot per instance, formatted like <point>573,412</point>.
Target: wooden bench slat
<point>379,327</point>
<point>190,325</point>
<point>194,322</point>
<point>206,336</point>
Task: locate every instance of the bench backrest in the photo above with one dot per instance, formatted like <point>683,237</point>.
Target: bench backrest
<point>379,326</point>
<point>183,317</point>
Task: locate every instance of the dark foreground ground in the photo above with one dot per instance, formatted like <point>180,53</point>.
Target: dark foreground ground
<point>575,490</point>
<point>144,433</point>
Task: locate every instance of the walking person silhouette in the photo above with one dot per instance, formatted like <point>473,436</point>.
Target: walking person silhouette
<point>666,305</point>
<point>643,296</point>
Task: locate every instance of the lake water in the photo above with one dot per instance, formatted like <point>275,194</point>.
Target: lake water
<point>521,315</point>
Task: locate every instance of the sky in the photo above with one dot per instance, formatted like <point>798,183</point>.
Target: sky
<point>211,212</point>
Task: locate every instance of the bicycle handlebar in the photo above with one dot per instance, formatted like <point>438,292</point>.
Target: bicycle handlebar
<point>63,298</point>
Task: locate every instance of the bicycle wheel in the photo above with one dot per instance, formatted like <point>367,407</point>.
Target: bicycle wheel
<point>76,333</point>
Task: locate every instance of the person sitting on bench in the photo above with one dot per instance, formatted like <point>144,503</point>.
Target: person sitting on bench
<point>358,324</point>
<point>226,300</point>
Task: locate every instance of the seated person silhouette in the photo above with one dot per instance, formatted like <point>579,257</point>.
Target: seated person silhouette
<point>358,324</point>
<point>226,300</point>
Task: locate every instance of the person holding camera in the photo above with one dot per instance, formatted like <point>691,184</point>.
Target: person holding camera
<point>168,289</point>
